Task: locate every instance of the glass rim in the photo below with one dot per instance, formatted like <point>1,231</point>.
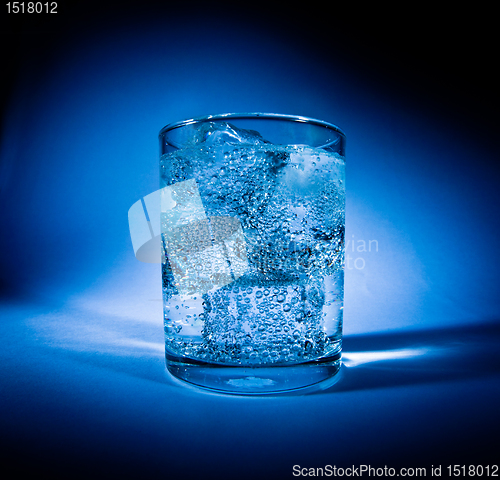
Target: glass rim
<point>253,115</point>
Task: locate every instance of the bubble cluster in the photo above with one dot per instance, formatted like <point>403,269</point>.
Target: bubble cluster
<point>287,307</point>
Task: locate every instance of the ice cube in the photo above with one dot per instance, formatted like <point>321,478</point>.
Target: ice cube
<point>218,133</point>
<point>203,252</point>
<point>301,228</point>
<point>236,172</point>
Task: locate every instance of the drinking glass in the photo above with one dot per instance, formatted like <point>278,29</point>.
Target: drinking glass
<point>252,229</point>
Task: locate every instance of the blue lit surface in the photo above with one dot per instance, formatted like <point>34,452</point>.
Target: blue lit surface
<point>84,387</point>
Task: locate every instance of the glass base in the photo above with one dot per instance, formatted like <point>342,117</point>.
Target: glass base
<point>246,380</point>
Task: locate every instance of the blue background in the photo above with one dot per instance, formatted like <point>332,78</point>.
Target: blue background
<point>83,384</point>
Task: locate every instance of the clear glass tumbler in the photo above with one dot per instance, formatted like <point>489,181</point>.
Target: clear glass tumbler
<point>252,221</point>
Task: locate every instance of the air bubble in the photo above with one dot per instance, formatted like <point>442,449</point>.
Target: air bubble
<point>289,227</point>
